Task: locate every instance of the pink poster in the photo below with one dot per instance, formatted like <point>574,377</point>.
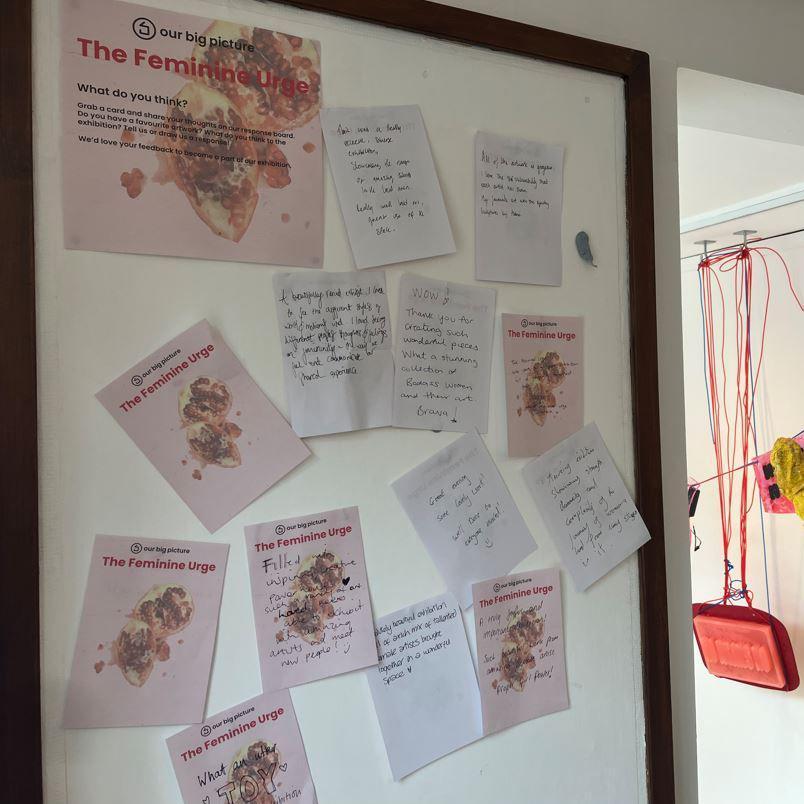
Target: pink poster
<point>543,359</point>
<point>189,136</point>
<point>147,633</point>
<point>520,648</point>
<point>204,423</point>
<point>311,599</point>
<point>252,752</point>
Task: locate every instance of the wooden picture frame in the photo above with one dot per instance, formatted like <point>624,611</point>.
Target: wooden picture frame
<point>20,677</point>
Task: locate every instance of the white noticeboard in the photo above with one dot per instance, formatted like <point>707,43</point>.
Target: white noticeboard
<point>101,312</point>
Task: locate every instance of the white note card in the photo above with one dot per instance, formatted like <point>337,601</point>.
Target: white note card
<point>424,689</point>
<point>585,506</point>
<point>465,515</point>
<point>443,355</point>
<point>335,336</point>
<point>387,184</point>
<point>519,188</point>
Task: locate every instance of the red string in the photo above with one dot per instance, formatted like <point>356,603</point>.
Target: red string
<point>732,416</point>
<point>692,482</point>
<point>759,251</point>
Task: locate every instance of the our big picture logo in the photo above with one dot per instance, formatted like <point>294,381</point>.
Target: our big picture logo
<point>143,28</point>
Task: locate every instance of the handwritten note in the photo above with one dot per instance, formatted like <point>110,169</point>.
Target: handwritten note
<point>443,355</point>
<point>543,359</point>
<point>311,600</point>
<point>335,335</point>
<point>518,199</point>
<point>387,184</point>
<point>465,515</point>
<point>520,648</point>
<point>424,688</point>
<point>585,506</point>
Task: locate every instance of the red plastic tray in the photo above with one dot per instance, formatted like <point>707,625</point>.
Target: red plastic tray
<point>745,645</point>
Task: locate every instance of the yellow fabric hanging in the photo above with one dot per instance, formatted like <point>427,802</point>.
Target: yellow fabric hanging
<point>787,459</point>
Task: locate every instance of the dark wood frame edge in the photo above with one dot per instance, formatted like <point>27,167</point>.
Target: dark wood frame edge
<point>20,678</point>
<point>20,732</point>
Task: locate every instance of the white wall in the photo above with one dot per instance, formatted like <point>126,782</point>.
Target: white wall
<point>719,169</point>
<point>716,103</point>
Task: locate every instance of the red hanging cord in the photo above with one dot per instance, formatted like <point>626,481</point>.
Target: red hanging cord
<point>733,415</point>
<point>742,276</point>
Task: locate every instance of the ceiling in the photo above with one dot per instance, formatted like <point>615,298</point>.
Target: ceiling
<point>736,107</point>
<point>740,148</point>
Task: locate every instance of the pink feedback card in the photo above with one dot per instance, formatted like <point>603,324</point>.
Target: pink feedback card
<point>312,608</point>
<point>147,633</point>
<point>252,752</point>
<point>204,423</point>
<point>520,648</point>
<point>543,358</point>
